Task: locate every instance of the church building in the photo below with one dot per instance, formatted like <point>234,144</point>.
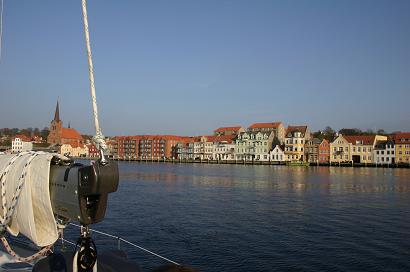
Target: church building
<point>60,135</point>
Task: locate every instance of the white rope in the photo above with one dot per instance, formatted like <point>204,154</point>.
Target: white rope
<point>128,242</point>
<point>98,139</point>
<point>1,27</point>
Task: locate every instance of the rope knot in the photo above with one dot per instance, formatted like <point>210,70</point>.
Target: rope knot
<point>99,142</point>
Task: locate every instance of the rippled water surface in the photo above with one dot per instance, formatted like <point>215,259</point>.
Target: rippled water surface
<point>263,218</point>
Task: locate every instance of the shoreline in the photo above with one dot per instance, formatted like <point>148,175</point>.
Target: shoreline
<point>348,164</point>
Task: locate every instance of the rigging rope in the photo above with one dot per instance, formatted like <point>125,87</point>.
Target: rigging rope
<point>98,139</point>
<point>1,27</point>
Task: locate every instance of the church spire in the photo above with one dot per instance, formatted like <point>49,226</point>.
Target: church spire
<point>57,113</point>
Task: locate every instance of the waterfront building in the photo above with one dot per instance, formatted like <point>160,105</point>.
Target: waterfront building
<point>295,140</point>
<point>402,146</point>
<point>159,146</point>
<point>340,150</point>
<point>228,131</point>
<point>354,148</point>
<point>362,147</point>
<point>224,148</point>
<point>93,152</point>
<point>384,152</point>
<point>276,127</point>
<point>324,151</point>
<point>21,143</point>
<point>59,135</point>
<point>277,154</point>
<point>312,150</point>
<point>74,150</point>
<point>146,147</point>
<point>112,146</point>
<point>37,139</point>
<point>250,146</point>
<point>183,149</point>
<point>201,148</point>
<point>126,147</point>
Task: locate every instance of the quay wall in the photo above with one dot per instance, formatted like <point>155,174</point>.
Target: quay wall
<point>242,162</point>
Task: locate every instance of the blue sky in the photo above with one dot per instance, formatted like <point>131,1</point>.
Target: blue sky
<point>187,67</point>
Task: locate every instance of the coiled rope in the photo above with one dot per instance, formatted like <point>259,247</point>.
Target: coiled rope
<point>8,210</point>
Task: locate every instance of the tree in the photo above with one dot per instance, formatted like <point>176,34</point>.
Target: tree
<point>6,142</point>
<point>329,133</point>
<point>318,134</point>
<point>36,132</point>
<point>381,131</point>
<point>14,131</point>
<point>44,133</point>
<point>350,131</point>
<point>25,132</point>
<point>275,142</point>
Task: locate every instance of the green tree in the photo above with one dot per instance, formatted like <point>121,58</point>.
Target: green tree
<point>44,133</point>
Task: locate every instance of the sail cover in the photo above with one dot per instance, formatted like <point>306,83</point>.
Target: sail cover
<point>33,214</point>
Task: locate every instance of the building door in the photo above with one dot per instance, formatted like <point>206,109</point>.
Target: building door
<point>356,158</point>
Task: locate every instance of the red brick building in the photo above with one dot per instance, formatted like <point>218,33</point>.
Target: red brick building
<point>126,147</point>
<point>159,146</point>
<point>324,151</point>
<point>93,152</point>
<point>146,147</point>
<point>60,135</point>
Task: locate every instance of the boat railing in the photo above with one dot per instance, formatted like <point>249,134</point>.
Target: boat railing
<point>119,240</point>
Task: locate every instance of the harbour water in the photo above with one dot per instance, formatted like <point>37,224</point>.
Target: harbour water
<point>263,218</point>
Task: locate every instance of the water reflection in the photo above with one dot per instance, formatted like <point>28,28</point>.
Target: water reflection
<point>300,180</point>
<point>265,218</point>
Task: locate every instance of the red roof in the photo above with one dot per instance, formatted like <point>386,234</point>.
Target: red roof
<point>224,138</point>
<point>292,129</point>
<point>223,129</point>
<point>360,139</point>
<point>70,133</point>
<point>402,138</point>
<point>22,137</point>
<point>266,125</point>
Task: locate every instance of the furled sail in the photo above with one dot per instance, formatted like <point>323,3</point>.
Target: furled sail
<point>25,197</point>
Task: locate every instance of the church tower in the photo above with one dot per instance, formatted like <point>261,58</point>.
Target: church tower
<point>56,128</point>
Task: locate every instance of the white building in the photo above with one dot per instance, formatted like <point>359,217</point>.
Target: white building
<point>20,144</point>
<point>183,150</point>
<point>200,148</point>
<point>277,154</point>
<point>250,146</point>
<point>224,148</point>
<point>384,152</point>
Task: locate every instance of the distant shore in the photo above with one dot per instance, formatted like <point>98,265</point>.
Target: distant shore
<point>242,162</point>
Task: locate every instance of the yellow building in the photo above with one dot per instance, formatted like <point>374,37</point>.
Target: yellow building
<point>340,150</point>
<point>74,150</point>
<point>354,148</point>
<point>402,143</point>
